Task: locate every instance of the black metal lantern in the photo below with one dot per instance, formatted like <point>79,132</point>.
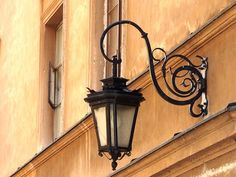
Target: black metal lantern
<point>115,108</point>
<point>114,111</point>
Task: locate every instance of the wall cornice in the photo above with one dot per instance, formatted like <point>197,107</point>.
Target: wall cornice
<point>203,142</point>
<point>74,133</point>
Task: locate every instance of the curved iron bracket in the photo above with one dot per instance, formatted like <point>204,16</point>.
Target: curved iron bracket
<point>186,83</point>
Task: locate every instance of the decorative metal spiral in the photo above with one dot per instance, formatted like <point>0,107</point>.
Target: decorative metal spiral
<point>186,83</point>
<point>114,157</point>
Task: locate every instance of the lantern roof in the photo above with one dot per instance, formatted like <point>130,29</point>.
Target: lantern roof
<point>114,88</point>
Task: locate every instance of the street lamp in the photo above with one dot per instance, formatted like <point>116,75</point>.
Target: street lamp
<point>115,108</point>
<point>114,112</point>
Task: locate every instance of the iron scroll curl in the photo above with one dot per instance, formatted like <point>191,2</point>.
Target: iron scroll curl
<point>187,83</point>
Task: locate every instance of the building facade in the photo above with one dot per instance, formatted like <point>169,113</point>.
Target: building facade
<point>49,54</point>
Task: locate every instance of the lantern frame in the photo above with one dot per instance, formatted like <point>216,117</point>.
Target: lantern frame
<point>114,93</point>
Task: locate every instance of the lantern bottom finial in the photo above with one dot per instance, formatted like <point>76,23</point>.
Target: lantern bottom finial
<point>114,165</point>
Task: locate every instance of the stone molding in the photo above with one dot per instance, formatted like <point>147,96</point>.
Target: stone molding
<point>210,139</point>
<point>82,127</point>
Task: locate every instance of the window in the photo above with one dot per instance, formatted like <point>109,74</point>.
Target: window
<point>55,72</point>
<point>58,84</point>
<point>53,56</point>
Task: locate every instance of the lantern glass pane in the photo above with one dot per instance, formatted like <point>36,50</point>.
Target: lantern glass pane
<point>112,124</point>
<point>100,116</point>
<point>125,118</point>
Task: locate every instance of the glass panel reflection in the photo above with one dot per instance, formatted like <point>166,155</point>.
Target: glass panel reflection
<point>100,116</point>
<point>125,117</point>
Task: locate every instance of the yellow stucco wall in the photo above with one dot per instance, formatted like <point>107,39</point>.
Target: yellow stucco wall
<point>167,24</point>
<point>19,80</point>
<point>22,124</point>
<point>157,122</point>
<point>20,129</point>
<point>76,60</point>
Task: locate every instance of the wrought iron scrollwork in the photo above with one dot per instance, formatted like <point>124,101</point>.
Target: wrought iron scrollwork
<point>114,157</point>
<point>186,82</point>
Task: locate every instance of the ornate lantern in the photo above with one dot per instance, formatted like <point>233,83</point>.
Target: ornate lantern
<point>115,108</point>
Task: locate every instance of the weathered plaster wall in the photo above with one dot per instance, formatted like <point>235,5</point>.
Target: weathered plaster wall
<point>18,107</point>
<point>158,120</point>
<point>19,80</point>
<point>96,64</point>
<point>77,24</point>
<point>167,24</point>
<point>46,4</point>
<point>224,166</point>
<point>79,159</point>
